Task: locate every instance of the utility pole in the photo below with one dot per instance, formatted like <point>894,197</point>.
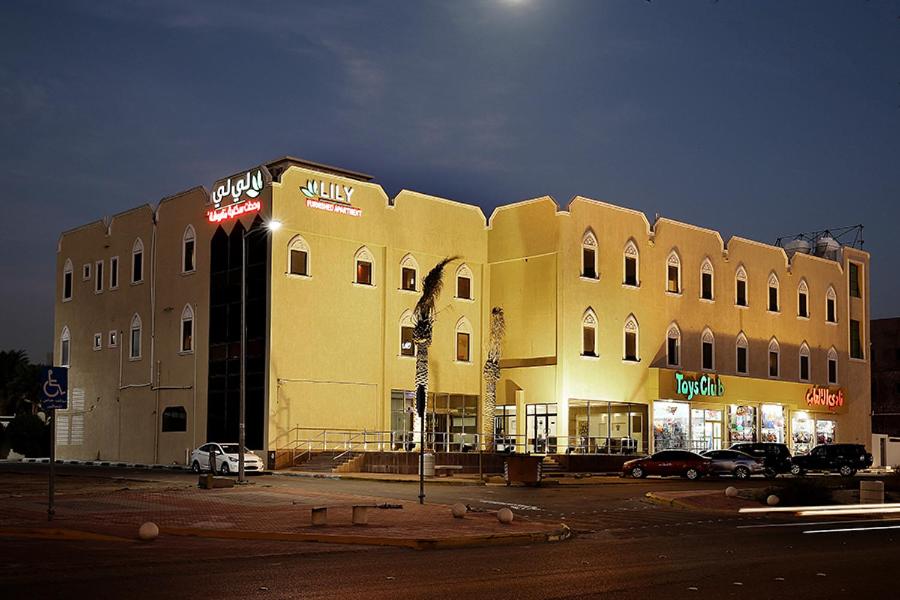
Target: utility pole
<point>420,408</point>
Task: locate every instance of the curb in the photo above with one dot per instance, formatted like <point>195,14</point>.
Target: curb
<point>559,534</point>
<point>102,463</point>
<point>685,504</point>
<point>54,533</point>
<point>353,477</point>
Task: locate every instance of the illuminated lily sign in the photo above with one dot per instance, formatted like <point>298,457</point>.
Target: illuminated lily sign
<point>237,195</point>
<point>705,385</point>
<point>822,396</point>
<point>331,197</point>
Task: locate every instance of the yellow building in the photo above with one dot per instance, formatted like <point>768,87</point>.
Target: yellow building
<point>622,336</point>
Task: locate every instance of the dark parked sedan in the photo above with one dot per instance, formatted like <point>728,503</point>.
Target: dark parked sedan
<point>732,462</point>
<point>667,463</point>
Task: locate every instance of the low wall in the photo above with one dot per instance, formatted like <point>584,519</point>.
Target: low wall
<point>408,462</point>
<point>592,463</point>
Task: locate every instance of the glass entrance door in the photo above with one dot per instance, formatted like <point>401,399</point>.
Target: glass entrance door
<point>540,428</point>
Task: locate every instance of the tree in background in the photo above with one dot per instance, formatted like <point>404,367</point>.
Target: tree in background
<point>19,383</point>
<point>491,373</point>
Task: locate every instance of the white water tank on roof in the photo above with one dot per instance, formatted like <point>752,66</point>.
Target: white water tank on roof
<point>797,245</point>
<point>828,247</point>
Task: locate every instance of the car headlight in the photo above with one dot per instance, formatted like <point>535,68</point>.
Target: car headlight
<point>233,458</point>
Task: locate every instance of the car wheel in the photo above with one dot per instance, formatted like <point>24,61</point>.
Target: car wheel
<point>224,470</point>
<point>638,473</point>
<point>692,474</point>
<point>195,467</point>
<point>847,471</point>
<point>741,473</point>
<point>796,471</point>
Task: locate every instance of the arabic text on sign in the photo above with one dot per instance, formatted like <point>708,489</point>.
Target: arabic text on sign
<point>232,211</point>
<point>251,184</point>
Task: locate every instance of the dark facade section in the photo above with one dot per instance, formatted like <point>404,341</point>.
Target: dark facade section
<point>886,376</point>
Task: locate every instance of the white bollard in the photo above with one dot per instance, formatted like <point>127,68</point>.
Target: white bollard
<point>458,510</point>
<point>148,531</point>
<point>773,500</point>
<point>505,516</point>
<point>731,491</point>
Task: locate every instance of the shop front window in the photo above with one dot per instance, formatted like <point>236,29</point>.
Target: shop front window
<point>600,427</point>
<point>742,423</point>
<point>772,425</point>
<point>452,422</point>
<point>540,428</point>
<point>825,431</point>
<point>671,426</point>
<point>403,404</point>
<point>801,432</point>
<point>706,429</point>
<point>505,428</point>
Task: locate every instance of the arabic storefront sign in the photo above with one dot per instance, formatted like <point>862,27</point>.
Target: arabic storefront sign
<point>705,385</point>
<point>237,195</point>
<point>331,197</point>
<point>822,396</point>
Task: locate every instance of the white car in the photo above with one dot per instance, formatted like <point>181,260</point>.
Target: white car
<point>226,459</point>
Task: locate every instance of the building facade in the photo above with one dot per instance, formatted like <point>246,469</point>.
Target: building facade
<point>622,336</point>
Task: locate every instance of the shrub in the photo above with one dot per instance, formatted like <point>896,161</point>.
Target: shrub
<point>800,491</point>
<point>29,436</point>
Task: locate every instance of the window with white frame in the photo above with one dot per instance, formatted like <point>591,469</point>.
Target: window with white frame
<point>464,283</point>
<point>673,273</point>
<point>113,272</point>
<point>463,340</point>
<point>707,350</point>
<point>673,346</point>
<point>832,366</point>
<point>773,293</point>
<point>365,266</point>
<point>830,305</point>
<point>804,362</point>
<point>630,340</point>
<point>803,300</point>
<point>134,349</point>
<point>631,264</point>
<point>742,354</point>
<point>112,339</point>
<point>855,280</point>
<point>187,329</point>
<point>740,286</point>
<point>409,271</point>
<point>407,339</point>
<point>298,257</point>
<point>774,358</point>
<point>98,277</point>
<point>137,261</point>
<point>589,255</point>
<point>706,280</point>
<point>589,333</point>
<point>67,281</point>
<point>85,271</point>
<point>98,341</point>
<point>188,250</point>
<point>65,346</point>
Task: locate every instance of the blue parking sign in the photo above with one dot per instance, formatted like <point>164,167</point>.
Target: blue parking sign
<point>54,388</point>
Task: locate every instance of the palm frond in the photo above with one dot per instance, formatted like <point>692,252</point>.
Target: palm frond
<point>431,289</point>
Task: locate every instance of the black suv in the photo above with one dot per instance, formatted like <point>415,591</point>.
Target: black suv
<point>776,457</point>
<point>845,459</point>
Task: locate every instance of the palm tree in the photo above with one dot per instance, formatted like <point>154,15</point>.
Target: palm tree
<point>423,324</point>
<point>491,372</point>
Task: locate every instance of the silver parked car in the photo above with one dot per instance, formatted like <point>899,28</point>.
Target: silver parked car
<point>732,462</point>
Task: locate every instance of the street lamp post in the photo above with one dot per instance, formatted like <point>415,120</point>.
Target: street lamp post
<point>242,411</point>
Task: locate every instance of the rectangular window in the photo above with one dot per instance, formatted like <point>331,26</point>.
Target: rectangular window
<point>188,265</point>
<point>855,340</point>
<point>707,356</point>
<point>464,288</point>
<point>832,316</point>
<point>113,339</point>
<point>67,285</point>
<point>407,345</point>
<point>135,350</point>
<point>742,360</point>
<point>630,270</point>
<point>86,272</point>
<point>588,262</point>
<point>98,341</point>
<point>773,364</point>
<point>773,299</point>
<point>114,272</point>
<point>804,368</point>
<point>588,342</point>
<point>854,281</point>
<point>363,272</point>
<point>408,277</point>
<point>187,335</point>
<point>462,346</point>
<point>299,262</point>
<point>832,371</point>
<point>741,299</point>
<point>672,280</point>
<point>64,353</point>
<point>803,305</point>
<point>630,346</point>
<point>706,284</point>
<point>137,267</point>
<point>98,277</point>
<point>672,351</point>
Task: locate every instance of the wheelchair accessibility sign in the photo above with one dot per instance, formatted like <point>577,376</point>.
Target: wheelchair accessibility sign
<point>54,388</point>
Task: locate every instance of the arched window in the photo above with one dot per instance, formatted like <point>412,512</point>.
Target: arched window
<point>804,362</point>
<point>137,261</point>
<point>67,281</point>
<point>830,305</point>
<point>298,257</point>
<point>409,272</point>
<point>589,255</point>
<point>706,280</point>
<point>365,267</point>
<point>742,356</point>
<point>740,286</point>
<point>632,265</point>
<point>464,283</point>
<point>188,250</point>
<point>174,418</point>
<point>832,366</point>
<point>673,273</point>
<point>773,293</point>
<point>407,343</point>
<point>187,329</point>
<point>673,346</point>
<point>708,350</point>
<point>630,339</point>
<point>589,333</point>
<point>134,350</point>
<point>803,300</point>
<point>65,346</point>
<point>774,358</point>
<point>463,340</point>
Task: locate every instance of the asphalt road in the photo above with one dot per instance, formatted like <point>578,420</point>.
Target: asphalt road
<point>624,548</point>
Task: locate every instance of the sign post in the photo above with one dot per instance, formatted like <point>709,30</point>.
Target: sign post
<point>420,408</point>
<point>54,396</point>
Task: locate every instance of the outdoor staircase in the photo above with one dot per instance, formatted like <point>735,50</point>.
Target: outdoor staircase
<point>550,468</point>
<point>326,462</point>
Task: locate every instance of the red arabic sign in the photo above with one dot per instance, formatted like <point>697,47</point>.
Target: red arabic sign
<point>232,210</point>
<point>822,396</point>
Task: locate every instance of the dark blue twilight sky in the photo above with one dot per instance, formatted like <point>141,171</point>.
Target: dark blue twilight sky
<point>760,119</point>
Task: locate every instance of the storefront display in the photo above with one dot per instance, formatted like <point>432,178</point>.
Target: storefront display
<point>741,423</point>
<point>772,423</point>
<point>825,431</point>
<point>670,425</point>
<point>706,429</point>
<point>801,432</point>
